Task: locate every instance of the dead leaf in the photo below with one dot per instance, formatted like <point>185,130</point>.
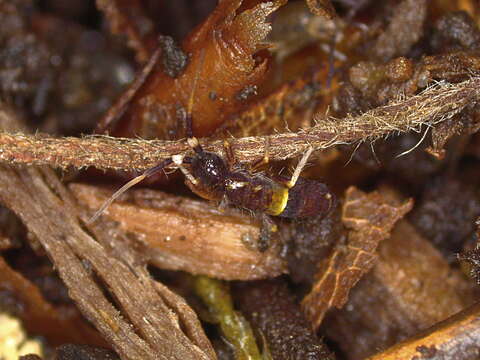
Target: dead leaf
<point>369,218</point>
<point>221,63</point>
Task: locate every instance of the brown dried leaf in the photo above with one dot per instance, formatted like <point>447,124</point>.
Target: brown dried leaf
<point>190,235</point>
<point>222,65</point>
<point>369,219</point>
<point>322,8</point>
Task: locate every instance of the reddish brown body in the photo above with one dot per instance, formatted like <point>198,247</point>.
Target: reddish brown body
<point>215,181</point>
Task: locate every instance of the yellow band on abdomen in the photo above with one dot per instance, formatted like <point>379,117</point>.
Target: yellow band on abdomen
<point>279,201</point>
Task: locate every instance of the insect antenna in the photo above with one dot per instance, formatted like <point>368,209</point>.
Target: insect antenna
<point>127,186</point>
<point>178,160</point>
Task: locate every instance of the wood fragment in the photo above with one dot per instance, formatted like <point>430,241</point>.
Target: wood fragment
<point>43,204</point>
<point>177,233</point>
<point>411,288</point>
<point>457,337</point>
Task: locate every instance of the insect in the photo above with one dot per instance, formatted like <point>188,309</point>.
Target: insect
<point>213,178</point>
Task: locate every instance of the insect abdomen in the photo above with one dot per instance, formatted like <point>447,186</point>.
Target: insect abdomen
<point>308,198</point>
<point>253,193</point>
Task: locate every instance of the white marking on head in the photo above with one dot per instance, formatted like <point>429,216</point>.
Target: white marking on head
<point>192,142</point>
<point>177,159</point>
<point>233,185</point>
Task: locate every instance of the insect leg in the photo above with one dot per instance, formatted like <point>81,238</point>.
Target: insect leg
<point>179,160</point>
<point>266,158</point>
<point>301,164</point>
<point>127,186</point>
<point>267,228</point>
<point>227,147</point>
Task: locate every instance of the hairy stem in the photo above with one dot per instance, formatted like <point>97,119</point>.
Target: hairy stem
<point>434,105</point>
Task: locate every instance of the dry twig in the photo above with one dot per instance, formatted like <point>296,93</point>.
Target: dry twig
<point>433,106</point>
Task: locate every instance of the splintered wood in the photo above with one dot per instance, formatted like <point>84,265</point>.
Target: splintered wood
<point>53,218</point>
<point>455,338</point>
<point>188,235</point>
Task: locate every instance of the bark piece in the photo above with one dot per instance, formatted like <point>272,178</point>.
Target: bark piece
<point>410,288</point>
<point>182,234</point>
<point>369,219</point>
<point>273,311</point>
<point>48,211</point>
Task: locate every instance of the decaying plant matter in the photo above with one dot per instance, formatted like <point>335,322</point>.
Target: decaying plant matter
<point>382,95</point>
<point>368,220</point>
